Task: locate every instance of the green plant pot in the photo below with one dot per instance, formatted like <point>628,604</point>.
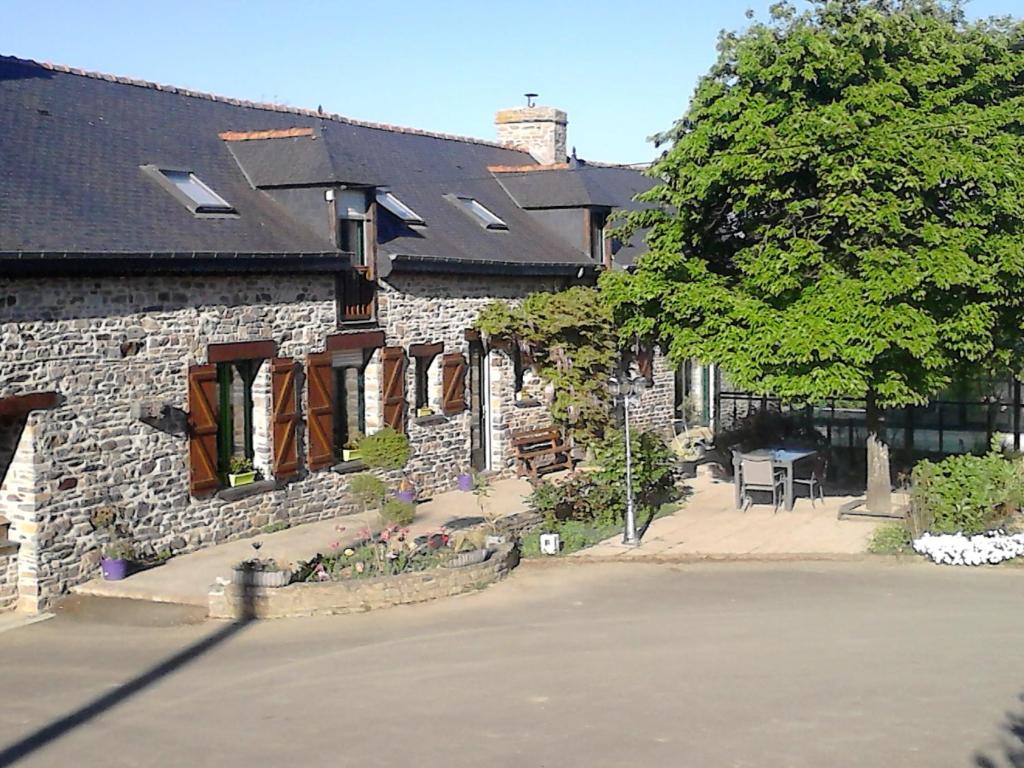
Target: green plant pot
<point>350,454</point>
<point>242,478</point>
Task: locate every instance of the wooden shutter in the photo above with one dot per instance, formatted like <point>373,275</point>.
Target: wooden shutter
<point>202,429</point>
<point>453,369</point>
<point>320,396</point>
<point>645,363</point>
<point>286,417</point>
<point>394,387</point>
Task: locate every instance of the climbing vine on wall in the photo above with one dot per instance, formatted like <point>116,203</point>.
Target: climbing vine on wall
<point>568,338</point>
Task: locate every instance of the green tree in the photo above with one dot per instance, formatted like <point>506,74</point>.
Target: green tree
<point>841,209</point>
<point>569,338</point>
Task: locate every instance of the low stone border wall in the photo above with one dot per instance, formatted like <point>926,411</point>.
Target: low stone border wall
<point>358,595</point>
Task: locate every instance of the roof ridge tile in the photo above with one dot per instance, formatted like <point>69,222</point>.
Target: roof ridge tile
<point>122,80</point>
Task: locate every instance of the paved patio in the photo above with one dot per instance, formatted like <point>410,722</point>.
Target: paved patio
<point>709,526</point>
<point>187,579</point>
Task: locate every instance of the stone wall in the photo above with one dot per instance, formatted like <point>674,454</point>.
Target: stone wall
<point>416,309</point>
<point>359,595</point>
<point>106,343</point>
<point>539,130</point>
<point>654,411</point>
<point>8,576</point>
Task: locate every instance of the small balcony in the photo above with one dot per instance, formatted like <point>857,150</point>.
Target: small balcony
<point>357,297</point>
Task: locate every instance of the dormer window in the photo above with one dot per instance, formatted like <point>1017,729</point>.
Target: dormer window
<point>475,209</point>
<point>352,217</point>
<point>402,211</point>
<point>190,191</point>
<point>598,234</point>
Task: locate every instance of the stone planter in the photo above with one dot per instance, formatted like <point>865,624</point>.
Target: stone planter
<point>265,579</point>
<point>473,557</point>
<point>242,478</point>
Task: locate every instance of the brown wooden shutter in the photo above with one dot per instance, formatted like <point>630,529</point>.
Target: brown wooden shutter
<point>453,370</point>
<point>645,363</point>
<point>320,395</point>
<point>202,429</point>
<point>394,387</point>
<point>286,417</point>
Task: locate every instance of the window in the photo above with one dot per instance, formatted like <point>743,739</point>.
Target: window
<point>424,355</point>
<point>480,213</point>
<point>350,398</point>
<point>352,239</point>
<point>235,426</point>
<point>517,368</point>
<point>351,205</point>
<point>190,190</point>
<point>399,209</point>
<point>598,220</point>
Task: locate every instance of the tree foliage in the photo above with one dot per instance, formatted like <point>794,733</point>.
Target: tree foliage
<point>841,208</point>
<point>569,338</point>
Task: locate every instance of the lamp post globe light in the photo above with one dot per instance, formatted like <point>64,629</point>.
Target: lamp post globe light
<point>628,389</point>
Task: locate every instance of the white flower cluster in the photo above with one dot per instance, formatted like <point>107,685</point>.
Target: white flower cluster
<point>984,549</point>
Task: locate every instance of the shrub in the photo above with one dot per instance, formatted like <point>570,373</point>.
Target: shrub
<point>890,539</point>
<point>398,512</point>
<point>652,465</point>
<point>386,449</point>
<point>369,489</point>
<point>967,494</point>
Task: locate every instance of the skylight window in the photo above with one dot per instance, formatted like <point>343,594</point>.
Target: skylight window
<point>399,209</point>
<point>190,190</point>
<point>480,213</point>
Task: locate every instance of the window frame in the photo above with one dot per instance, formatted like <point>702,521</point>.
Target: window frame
<point>247,369</point>
<point>197,208</point>
<point>480,213</point>
<point>390,202</point>
<point>340,426</point>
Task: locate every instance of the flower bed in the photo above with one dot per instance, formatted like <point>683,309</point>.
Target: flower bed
<point>982,549</point>
<point>355,595</point>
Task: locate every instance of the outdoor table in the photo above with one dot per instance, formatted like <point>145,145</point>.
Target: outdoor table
<point>783,458</point>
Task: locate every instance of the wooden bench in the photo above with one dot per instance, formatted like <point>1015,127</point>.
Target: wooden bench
<point>541,450</point>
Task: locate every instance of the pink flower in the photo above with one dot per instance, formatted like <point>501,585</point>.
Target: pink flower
<point>335,544</point>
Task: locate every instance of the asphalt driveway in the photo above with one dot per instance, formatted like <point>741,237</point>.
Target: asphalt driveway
<point>617,664</point>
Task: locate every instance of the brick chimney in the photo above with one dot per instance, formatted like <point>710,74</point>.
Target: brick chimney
<point>539,130</point>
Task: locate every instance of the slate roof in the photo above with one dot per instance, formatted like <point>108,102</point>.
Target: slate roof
<point>70,182</point>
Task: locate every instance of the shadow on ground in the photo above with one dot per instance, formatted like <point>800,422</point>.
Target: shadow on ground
<point>51,732</point>
<point>1011,748</point>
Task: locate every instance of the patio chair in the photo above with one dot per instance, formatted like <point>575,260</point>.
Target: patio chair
<point>757,473</point>
<point>815,482</point>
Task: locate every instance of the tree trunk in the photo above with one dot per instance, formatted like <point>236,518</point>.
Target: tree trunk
<point>879,495</point>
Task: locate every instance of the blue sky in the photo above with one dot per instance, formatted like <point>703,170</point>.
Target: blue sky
<point>621,72</point>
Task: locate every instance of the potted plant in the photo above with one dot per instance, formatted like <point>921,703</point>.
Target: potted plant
<point>350,451</point>
<point>424,410</point>
<point>241,471</point>
<point>369,489</point>
<point>465,480</point>
<point>406,491</point>
<point>261,572</point>
<point>116,558</point>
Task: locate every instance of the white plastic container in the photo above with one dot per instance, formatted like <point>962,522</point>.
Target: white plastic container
<point>550,543</point>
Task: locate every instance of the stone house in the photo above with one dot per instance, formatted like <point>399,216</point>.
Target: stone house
<point>186,280</point>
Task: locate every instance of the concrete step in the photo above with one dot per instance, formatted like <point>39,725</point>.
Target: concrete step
<point>127,612</point>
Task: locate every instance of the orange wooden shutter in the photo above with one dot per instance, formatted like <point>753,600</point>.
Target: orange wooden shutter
<point>286,417</point>
<point>202,429</point>
<point>320,394</point>
<point>453,378</point>
<point>394,387</point>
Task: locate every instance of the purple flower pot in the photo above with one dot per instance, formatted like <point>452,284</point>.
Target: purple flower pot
<point>406,496</point>
<point>465,483</point>
<point>114,570</point>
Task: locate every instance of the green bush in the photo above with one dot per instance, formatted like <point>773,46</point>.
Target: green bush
<point>386,449</point>
<point>890,539</point>
<point>968,494</point>
<point>652,463</point>
<point>398,512</point>
<point>369,489</point>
